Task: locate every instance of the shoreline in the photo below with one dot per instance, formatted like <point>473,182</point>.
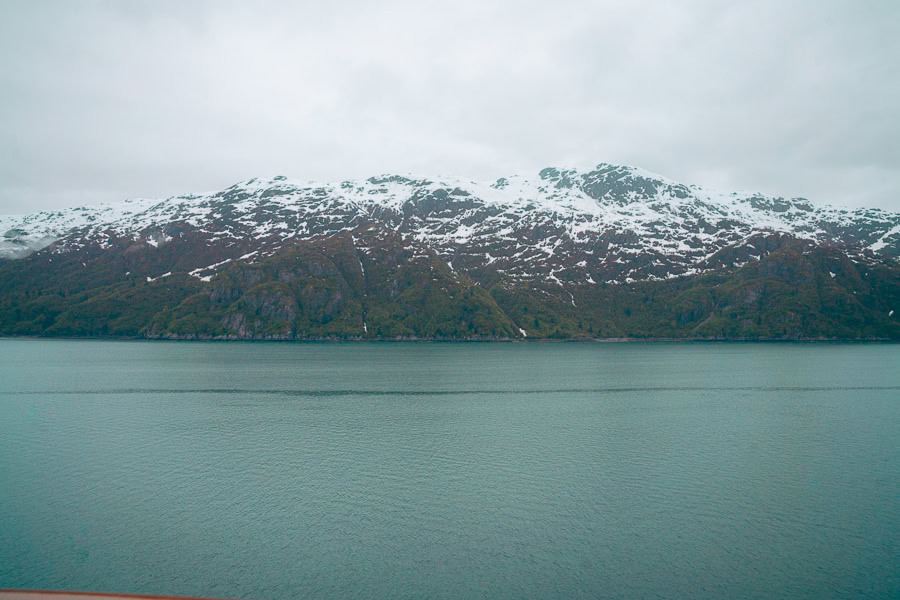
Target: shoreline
<point>418,340</point>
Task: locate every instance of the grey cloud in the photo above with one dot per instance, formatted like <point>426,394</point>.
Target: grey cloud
<point>107,100</point>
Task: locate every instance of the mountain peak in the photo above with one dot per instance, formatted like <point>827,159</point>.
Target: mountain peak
<point>272,256</point>
<point>626,210</point>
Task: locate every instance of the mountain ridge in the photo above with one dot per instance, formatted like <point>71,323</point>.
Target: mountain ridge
<point>393,256</point>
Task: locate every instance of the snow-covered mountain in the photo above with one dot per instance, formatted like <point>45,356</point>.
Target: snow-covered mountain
<point>613,223</point>
<point>567,254</point>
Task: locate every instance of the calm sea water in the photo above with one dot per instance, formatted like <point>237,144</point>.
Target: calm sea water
<point>275,471</point>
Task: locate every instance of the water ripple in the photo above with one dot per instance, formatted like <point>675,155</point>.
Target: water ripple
<point>501,392</point>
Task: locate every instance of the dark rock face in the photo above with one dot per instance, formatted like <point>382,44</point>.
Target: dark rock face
<point>270,304</point>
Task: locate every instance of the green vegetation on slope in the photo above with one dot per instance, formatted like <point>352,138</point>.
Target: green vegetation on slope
<point>327,289</point>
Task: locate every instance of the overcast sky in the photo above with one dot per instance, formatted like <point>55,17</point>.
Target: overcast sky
<point>104,100</point>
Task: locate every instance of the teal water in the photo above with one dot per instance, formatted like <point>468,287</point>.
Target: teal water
<point>275,471</point>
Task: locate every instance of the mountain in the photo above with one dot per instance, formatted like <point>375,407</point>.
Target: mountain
<point>611,252</point>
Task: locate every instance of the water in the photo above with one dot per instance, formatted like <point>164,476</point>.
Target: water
<point>275,471</point>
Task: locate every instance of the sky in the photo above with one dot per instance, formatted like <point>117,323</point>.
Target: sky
<point>106,100</point>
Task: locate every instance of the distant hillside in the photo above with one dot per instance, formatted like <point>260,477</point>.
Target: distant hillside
<point>613,252</point>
